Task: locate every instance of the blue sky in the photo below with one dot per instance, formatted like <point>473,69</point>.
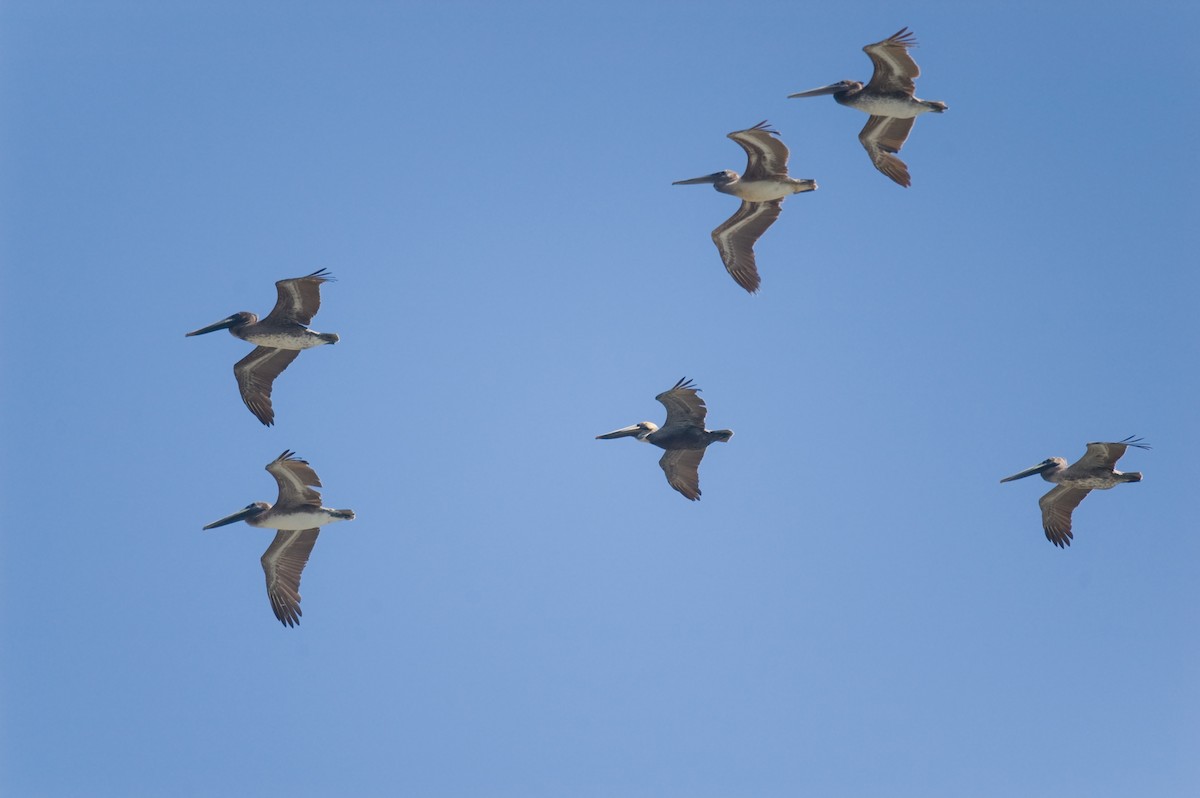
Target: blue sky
<point>856,607</point>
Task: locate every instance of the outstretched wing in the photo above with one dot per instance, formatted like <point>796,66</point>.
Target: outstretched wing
<point>736,236</point>
<point>766,155</point>
<point>684,405</point>
<point>293,476</point>
<point>283,562</point>
<point>1103,456</point>
<point>881,137</point>
<point>299,298</point>
<point>1057,506</point>
<point>682,467</point>
<point>894,67</point>
<point>256,373</point>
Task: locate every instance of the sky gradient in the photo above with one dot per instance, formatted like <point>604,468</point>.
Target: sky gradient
<point>856,606</point>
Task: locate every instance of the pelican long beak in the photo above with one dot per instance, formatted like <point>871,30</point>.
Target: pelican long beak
<point>223,324</point>
<point>832,88</point>
<point>249,511</point>
<point>713,178</point>
<point>623,432</point>
<point>1028,472</point>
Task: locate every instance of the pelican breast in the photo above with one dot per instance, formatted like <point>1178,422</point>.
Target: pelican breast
<point>300,518</point>
<point>295,339</point>
<point>763,190</point>
<point>893,106</point>
<point>1095,482</point>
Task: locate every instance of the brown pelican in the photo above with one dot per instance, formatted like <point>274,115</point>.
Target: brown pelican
<point>683,436</point>
<point>888,98</point>
<point>279,338</point>
<point>296,515</point>
<point>1093,471</point>
<point>761,190</point>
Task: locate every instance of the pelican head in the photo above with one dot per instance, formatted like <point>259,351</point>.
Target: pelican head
<point>718,179</point>
<point>239,319</point>
<point>1046,468</point>
<point>832,88</point>
<point>639,431</point>
<point>246,513</point>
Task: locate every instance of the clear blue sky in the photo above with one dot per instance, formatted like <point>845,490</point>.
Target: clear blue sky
<point>857,607</point>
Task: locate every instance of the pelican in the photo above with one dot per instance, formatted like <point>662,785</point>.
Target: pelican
<point>761,190</point>
<point>683,436</point>
<point>1093,471</point>
<point>889,99</point>
<point>296,515</point>
<point>278,339</point>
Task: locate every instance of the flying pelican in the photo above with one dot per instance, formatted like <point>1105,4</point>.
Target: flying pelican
<point>1093,471</point>
<point>761,190</point>
<point>278,338</point>
<point>888,98</point>
<point>296,515</point>
<point>683,436</point>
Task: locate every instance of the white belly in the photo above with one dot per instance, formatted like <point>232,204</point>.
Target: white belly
<point>763,190</point>
<point>893,107</point>
<point>298,519</point>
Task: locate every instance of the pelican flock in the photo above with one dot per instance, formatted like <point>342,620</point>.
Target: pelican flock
<point>682,435</point>
<point>1094,471</point>
<point>278,339</point>
<point>889,99</point>
<point>297,515</point>
<point>761,189</point>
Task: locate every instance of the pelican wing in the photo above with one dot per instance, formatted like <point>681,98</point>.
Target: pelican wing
<point>881,137</point>
<point>1104,456</point>
<point>299,298</point>
<point>684,406</point>
<point>256,372</point>
<point>294,476</point>
<point>894,67</point>
<point>766,155</point>
<point>283,562</point>
<point>736,236</point>
<point>1057,506</point>
<point>682,467</point>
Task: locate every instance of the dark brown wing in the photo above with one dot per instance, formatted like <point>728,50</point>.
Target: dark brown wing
<point>894,67</point>
<point>682,467</point>
<point>293,476</point>
<point>684,405</point>
<point>1057,506</point>
<point>256,372</point>
<point>299,298</point>
<point>1103,457</point>
<point>766,155</point>
<point>736,236</point>
<point>283,562</point>
<point>882,136</point>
